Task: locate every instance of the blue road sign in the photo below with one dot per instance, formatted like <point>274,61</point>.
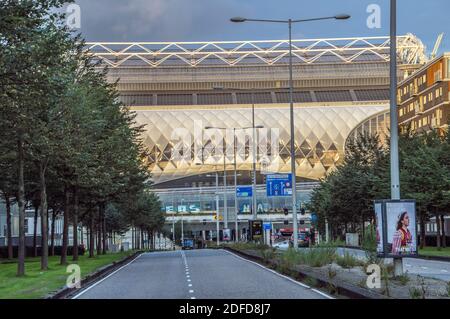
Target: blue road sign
<point>279,185</point>
<point>244,191</point>
<point>267,225</point>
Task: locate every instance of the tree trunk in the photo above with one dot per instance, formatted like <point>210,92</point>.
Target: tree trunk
<point>422,230</point>
<point>105,232</point>
<point>75,224</point>
<point>444,239</point>
<point>438,231</point>
<point>91,237</point>
<point>21,204</point>
<point>52,234</point>
<point>99,232</point>
<point>36,209</point>
<point>8,227</point>
<point>44,217</point>
<point>65,239</point>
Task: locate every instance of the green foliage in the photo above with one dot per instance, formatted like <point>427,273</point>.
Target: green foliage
<point>312,257</point>
<point>80,149</point>
<point>345,196</point>
<point>415,293</point>
<point>348,261</point>
<point>403,279</point>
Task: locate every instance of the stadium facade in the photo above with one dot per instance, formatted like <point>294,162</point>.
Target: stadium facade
<point>180,89</point>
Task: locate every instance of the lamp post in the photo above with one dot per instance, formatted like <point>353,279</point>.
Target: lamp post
<point>289,22</point>
<point>235,169</point>
<point>182,226</point>
<point>254,151</point>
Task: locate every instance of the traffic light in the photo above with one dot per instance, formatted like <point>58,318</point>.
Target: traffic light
<point>302,211</point>
<point>286,211</point>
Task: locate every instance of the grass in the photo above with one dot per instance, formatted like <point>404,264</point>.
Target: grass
<point>38,284</point>
<point>433,251</point>
<point>311,257</point>
<point>348,261</point>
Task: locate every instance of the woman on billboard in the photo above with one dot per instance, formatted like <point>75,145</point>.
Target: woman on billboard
<point>402,241</point>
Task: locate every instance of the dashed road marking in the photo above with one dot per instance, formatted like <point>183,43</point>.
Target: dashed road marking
<point>188,276</point>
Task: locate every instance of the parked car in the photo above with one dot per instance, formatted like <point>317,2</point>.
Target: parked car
<point>281,245</point>
<point>303,239</point>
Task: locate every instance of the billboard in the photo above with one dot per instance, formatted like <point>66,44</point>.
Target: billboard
<point>256,229</point>
<point>226,234</point>
<point>396,227</point>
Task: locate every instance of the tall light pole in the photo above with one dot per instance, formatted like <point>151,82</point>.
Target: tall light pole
<point>395,171</point>
<point>254,149</point>
<point>236,208</point>
<point>182,226</point>
<point>289,22</point>
<point>235,168</point>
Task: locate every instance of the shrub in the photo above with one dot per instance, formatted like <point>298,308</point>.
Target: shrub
<point>348,261</point>
<point>415,293</point>
<point>403,279</point>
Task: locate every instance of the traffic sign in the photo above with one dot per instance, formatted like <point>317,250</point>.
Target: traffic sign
<point>279,185</point>
<point>267,225</point>
<point>220,217</point>
<point>244,191</point>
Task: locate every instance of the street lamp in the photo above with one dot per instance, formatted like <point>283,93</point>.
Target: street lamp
<point>182,226</point>
<point>291,102</point>
<point>254,150</point>
<point>235,171</point>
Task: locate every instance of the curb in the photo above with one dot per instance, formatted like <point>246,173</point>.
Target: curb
<point>65,293</point>
<point>342,288</point>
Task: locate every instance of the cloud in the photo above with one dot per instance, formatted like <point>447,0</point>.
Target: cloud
<point>153,20</point>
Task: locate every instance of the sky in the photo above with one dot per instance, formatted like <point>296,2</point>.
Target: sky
<point>208,20</point>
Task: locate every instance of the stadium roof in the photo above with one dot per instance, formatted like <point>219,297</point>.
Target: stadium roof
<point>271,52</point>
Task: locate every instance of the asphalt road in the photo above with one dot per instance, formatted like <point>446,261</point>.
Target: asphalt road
<point>196,274</point>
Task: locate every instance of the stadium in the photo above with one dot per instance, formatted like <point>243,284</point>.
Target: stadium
<point>193,98</point>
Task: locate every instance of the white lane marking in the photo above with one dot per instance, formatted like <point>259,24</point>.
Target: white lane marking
<point>187,273</point>
<point>424,268</point>
<point>103,279</point>
<point>280,275</point>
<point>443,270</point>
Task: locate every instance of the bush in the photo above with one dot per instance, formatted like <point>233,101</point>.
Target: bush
<point>348,261</point>
<point>248,246</point>
<point>332,244</point>
<point>312,257</point>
